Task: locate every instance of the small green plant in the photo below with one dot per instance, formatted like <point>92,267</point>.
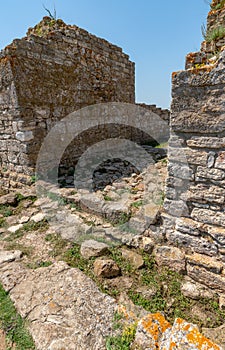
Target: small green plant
<point>199,65</point>
<point>73,258</point>
<point>107,198</point>
<point>122,219</point>
<point>33,179</point>
<point>117,324</point>
<point>12,324</point>
<point>2,222</point>
<point>137,204</point>
<point>24,249</point>
<point>34,226</point>
<point>19,197</point>
<point>75,206</point>
<point>204,31</point>
<point>162,145</point>
<point>215,34</point>
<point>6,210</point>
<point>124,264</point>
<point>59,244</point>
<point>38,264</point>
<point>123,341</point>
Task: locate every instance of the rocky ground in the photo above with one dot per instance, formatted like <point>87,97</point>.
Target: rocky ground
<point>86,270</point>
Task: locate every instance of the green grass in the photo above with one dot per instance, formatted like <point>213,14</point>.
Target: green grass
<point>73,258</point>
<point>58,244</point>
<point>12,324</point>
<point>24,249</point>
<point>56,198</point>
<point>123,341</point>
<point>122,219</point>
<point>2,222</point>
<point>137,204</point>
<point>6,210</point>
<point>124,264</point>
<point>38,264</point>
<point>215,34</point>
<point>107,198</point>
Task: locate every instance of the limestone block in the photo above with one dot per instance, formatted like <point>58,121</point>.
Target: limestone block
<point>8,256</point>
<point>134,258</point>
<point>93,248</point>
<point>207,262</point>
<point>209,279</point>
<point>209,174</point>
<point>204,193</point>
<point>197,244</point>
<point>206,142</point>
<point>208,216</point>
<point>215,334</point>
<point>194,290</point>
<point>106,268</point>
<point>189,226</point>
<point>171,257</point>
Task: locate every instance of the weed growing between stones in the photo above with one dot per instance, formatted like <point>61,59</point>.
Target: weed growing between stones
<point>2,222</point>
<point>6,210</point>
<point>137,204</point>
<point>12,324</point>
<point>30,226</point>
<point>16,246</point>
<point>58,244</point>
<point>123,341</point>
<point>215,34</point>
<point>37,264</point>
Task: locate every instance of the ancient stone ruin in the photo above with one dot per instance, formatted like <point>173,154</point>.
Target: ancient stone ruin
<point>195,194</point>
<point>55,70</point>
<point>158,256</point>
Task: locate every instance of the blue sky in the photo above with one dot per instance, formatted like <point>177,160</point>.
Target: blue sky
<point>156,34</point>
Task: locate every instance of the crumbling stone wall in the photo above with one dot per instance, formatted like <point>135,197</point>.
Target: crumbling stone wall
<point>194,217</point>
<point>50,73</point>
<point>55,70</point>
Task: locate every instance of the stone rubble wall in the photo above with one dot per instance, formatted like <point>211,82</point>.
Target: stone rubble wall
<point>209,48</point>
<point>194,217</point>
<point>55,70</point>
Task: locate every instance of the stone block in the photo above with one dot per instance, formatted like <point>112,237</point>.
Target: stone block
<point>106,268</point>
<point>190,243</point>
<point>93,248</point>
<point>207,262</point>
<point>209,216</point>
<point>171,257</point>
<point>209,279</point>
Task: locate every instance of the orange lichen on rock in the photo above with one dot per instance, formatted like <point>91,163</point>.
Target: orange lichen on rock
<point>192,336</point>
<point>200,341</point>
<point>155,325</point>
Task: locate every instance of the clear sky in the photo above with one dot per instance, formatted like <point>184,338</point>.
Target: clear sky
<point>157,35</point>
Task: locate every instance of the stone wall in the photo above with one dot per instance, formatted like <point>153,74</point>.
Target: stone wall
<point>55,70</point>
<point>194,217</point>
